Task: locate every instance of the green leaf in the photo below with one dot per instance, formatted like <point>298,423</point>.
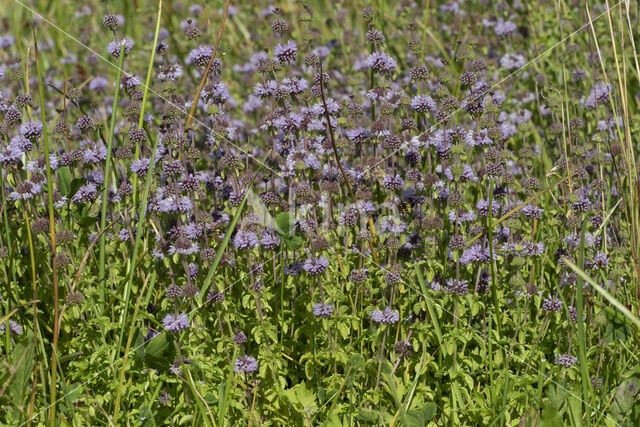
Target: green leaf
<point>74,187</point>
<point>284,223</point>
<point>22,361</point>
<point>159,353</point>
<point>301,398</point>
<point>87,221</point>
<point>64,180</point>
<point>551,417</point>
<point>420,417</point>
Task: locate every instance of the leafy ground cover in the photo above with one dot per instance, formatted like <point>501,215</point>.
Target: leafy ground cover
<point>324,213</point>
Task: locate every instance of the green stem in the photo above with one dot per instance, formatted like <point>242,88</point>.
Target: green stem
<point>142,210</point>
<point>52,231</point>
<point>584,370</point>
<point>107,174</point>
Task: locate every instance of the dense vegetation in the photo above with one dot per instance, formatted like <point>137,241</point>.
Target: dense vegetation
<point>406,212</point>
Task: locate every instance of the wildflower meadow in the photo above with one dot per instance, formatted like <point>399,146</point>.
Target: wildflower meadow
<point>319,213</point>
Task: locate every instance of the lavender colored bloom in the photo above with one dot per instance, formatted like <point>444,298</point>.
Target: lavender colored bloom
<point>269,241</point>
<point>6,41</point>
<point>174,204</point>
<point>552,304</point>
<point>600,260</point>
<point>483,207</point>
<point>565,360</point>
<point>293,269</point>
<point>245,365</point>
<point>184,246</point>
<point>322,310</point>
<point>532,248</point>
<point>315,266</point>
<point>573,314</point>
<point>295,86</point>
<point>113,48</point>
<point>504,28</point>
<point>286,53</point>
<point>245,240</point>
<point>387,316</point>
<point>475,254</point>
<point>141,167</point>
<point>12,153</point>
<point>170,73</point>
<point>14,328</point>
<point>216,93</point>
<point>599,95</point>
<point>511,61</point>
<point>85,193</point>
<point>252,104</point>
<point>175,323</point>
<point>468,174</point>
<point>392,225</point>
<point>458,287</point>
<point>358,135</point>
<point>478,139</point>
<point>123,235</point>
<point>200,56</point>
<point>381,62</point>
<point>532,212</point>
<point>423,104</point>
<point>393,182</point>
<point>98,84</point>
<point>94,152</point>
<point>31,129</point>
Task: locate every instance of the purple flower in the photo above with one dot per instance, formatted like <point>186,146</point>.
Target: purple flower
<point>170,73</point>
<point>175,323</point>
<point>184,246</point>
<point>31,129</point>
<point>6,41</point>
<point>387,316</point>
<point>94,152</point>
<point>565,360</point>
<point>511,61</point>
<point>423,104</point>
<point>599,95</point>
<point>14,328</point>
<point>245,365</point>
<point>245,240</point>
<point>124,235</point>
<point>393,182</point>
<point>392,225</point>
<point>600,260</point>
<point>483,207</point>
<point>269,241</point>
<point>552,304</point>
<point>475,254</point>
<point>98,84</point>
<point>532,248</point>
<point>286,53</point>
<point>458,287</point>
<point>504,28</point>
<point>381,62</point>
<point>358,135</point>
<point>12,153</point>
<point>315,266</point>
<point>141,167</point>
<point>200,56</point>
<point>322,310</point>
<point>85,193</point>
<point>293,269</point>
<point>216,93</point>
<point>532,212</point>
<point>113,48</point>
